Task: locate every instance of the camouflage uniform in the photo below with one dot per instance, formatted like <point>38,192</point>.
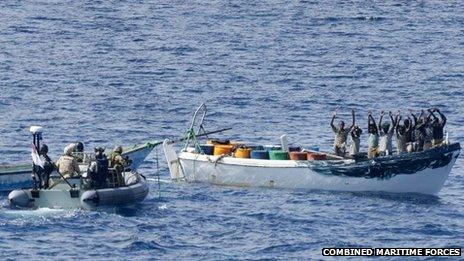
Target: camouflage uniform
<point>118,162</point>
<point>68,166</point>
<point>116,159</point>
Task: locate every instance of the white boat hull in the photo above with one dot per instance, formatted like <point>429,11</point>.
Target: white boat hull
<point>291,174</point>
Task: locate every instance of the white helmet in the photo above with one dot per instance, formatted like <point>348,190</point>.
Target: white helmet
<point>68,150</point>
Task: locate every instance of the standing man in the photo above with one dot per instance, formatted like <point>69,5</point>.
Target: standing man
<point>355,140</point>
<point>409,134</point>
<point>48,166</point>
<point>386,134</point>
<point>420,129</point>
<point>428,132</point>
<point>373,140</point>
<point>437,128</point>
<point>401,134</point>
<point>341,134</point>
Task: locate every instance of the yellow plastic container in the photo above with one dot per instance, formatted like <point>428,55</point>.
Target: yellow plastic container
<point>222,149</point>
<point>243,153</point>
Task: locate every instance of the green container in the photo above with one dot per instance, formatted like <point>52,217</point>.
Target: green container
<point>278,155</point>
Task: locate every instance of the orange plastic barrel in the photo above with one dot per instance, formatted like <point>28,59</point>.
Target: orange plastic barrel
<point>296,155</point>
<point>218,142</point>
<point>243,153</point>
<point>222,149</point>
<point>316,156</point>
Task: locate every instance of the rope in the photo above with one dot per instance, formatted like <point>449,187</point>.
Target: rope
<point>158,172</point>
<point>190,135</point>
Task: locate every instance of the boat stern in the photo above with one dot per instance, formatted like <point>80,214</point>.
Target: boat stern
<point>173,160</point>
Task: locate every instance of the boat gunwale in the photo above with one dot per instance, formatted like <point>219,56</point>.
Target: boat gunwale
<point>248,162</point>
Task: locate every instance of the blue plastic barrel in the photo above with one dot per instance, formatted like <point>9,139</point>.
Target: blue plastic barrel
<point>207,149</point>
<point>259,154</point>
<point>255,147</point>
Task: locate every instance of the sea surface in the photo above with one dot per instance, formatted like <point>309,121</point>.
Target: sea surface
<point>126,72</point>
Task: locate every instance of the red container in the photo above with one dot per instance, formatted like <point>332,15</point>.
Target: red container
<point>296,155</point>
<point>316,156</point>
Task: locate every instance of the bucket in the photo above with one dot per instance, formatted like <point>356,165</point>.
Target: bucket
<point>294,148</point>
<point>243,153</point>
<point>259,154</point>
<point>316,156</point>
<point>278,155</point>
<point>272,147</point>
<point>208,149</point>
<point>296,155</point>
<point>222,149</point>
<point>218,142</point>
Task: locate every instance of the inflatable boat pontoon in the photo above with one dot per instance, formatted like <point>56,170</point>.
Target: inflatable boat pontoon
<point>78,195</point>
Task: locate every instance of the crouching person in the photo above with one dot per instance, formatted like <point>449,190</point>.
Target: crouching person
<point>119,163</point>
<point>67,165</point>
<point>98,170</point>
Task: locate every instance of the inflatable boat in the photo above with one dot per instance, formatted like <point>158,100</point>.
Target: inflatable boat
<point>19,176</point>
<point>76,193</point>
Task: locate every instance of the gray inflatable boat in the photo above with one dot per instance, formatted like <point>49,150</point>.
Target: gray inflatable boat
<point>75,193</point>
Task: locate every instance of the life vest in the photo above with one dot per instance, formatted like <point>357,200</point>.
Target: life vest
<point>101,168</point>
<point>48,166</point>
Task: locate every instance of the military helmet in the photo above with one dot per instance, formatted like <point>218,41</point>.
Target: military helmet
<point>79,147</point>
<point>44,149</point>
<point>99,149</point>
<point>68,150</point>
<point>117,149</point>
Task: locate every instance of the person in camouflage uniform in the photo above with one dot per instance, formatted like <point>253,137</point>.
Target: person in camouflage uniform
<point>67,165</point>
<point>118,162</point>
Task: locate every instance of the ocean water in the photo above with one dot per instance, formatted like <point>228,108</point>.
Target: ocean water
<point>125,72</point>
